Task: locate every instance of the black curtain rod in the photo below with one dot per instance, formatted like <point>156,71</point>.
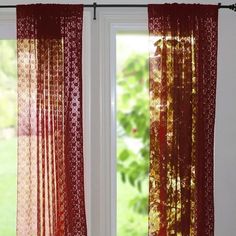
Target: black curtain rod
<point>232,6</point>
<point>95,5</point>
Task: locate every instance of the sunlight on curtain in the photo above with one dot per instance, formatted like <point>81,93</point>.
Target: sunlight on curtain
<point>183,66</point>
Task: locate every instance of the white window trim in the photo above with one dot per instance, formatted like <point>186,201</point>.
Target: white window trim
<point>111,22</point>
<point>8,31</point>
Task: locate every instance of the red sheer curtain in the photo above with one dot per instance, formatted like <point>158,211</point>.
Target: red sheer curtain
<point>50,133</point>
<point>182,112</point>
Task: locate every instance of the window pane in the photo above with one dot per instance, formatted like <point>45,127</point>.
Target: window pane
<point>132,134</point>
<point>8,143</point>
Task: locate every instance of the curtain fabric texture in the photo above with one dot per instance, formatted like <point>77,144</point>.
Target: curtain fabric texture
<point>183,63</point>
<point>50,135</point>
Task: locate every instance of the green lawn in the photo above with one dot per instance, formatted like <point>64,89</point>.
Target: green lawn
<point>8,187</point>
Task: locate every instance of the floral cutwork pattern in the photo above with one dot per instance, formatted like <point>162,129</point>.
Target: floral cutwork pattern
<point>183,63</point>
<point>50,132</point>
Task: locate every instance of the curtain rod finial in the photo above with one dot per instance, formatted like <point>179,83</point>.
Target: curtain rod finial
<point>233,7</point>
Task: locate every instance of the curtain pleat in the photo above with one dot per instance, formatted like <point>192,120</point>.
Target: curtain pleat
<point>183,63</point>
<point>50,197</point>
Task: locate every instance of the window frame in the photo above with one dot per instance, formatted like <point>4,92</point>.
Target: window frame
<point>111,22</point>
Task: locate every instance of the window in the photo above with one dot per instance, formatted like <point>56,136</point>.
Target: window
<point>105,187</point>
<point>99,114</point>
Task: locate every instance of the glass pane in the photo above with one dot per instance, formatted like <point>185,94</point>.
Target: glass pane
<point>132,134</point>
<point>8,143</point>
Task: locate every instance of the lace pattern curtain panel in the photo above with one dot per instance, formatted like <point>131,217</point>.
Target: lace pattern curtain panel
<point>50,133</point>
<point>182,111</point>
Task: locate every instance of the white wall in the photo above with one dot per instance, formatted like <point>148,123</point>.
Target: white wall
<point>225,133</point>
<point>225,141</point>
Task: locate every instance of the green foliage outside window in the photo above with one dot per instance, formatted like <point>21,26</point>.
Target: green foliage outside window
<point>133,145</point>
<point>7,84</point>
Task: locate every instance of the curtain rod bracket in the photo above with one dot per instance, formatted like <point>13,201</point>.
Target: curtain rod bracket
<point>94,10</point>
